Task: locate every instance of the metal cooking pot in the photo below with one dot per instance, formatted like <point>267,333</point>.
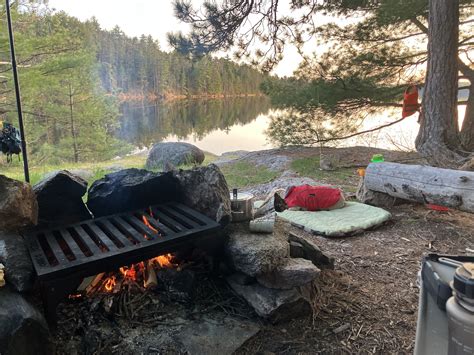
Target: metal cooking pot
<point>241,206</point>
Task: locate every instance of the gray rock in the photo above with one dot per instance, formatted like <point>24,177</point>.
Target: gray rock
<point>131,189</point>
<point>312,252</point>
<point>294,273</point>
<point>60,199</point>
<point>176,153</point>
<point>19,272</point>
<point>18,205</point>
<point>242,279</point>
<point>205,189</point>
<point>23,329</point>
<point>273,305</point>
<point>210,336</point>
<point>254,254</point>
<point>296,250</point>
<point>82,173</point>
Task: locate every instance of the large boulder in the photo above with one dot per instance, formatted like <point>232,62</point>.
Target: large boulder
<point>255,254</point>
<point>18,205</point>
<point>293,273</point>
<point>14,255</point>
<point>131,189</point>
<point>205,190</point>
<point>60,199</point>
<point>273,305</point>
<point>175,153</point>
<point>23,328</point>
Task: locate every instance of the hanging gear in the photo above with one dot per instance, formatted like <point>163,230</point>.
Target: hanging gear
<point>10,141</point>
<point>410,101</point>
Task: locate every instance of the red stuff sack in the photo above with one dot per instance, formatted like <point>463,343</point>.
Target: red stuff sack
<point>314,198</point>
<point>410,101</point>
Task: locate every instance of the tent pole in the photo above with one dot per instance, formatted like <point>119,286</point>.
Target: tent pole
<point>17,93</point>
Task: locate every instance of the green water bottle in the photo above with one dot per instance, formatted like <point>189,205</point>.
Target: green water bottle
<point>377,158</point>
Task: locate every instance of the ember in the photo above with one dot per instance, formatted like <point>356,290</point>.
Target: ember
<point>147,223</point>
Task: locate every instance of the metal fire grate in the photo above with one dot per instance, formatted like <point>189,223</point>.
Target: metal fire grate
<point>63,256</point>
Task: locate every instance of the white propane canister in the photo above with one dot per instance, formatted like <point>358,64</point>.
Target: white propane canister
<point>241,206</point>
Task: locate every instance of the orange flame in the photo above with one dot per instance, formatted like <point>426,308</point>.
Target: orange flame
<point>165,261</point>
<point>110,283</point>
<point>145,220</point>
<point>131,272</point>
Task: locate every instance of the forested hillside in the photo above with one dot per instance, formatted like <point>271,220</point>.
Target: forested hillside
<point>138,66</point>
<point>73,75</point>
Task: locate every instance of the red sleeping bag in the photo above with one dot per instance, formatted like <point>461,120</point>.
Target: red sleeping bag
<point>313,198</point>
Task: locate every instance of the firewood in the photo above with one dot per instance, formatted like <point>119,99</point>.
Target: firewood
<point>2,275</point>
<point>150,275</point>
<point>94,283</point>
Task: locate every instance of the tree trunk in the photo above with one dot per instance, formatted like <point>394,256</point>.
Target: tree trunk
<point>467,130</point>
<point>438,137</point>
<point>73,125</point>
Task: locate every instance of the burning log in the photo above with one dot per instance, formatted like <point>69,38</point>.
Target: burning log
<point>93,285</point>
<point>150,275</point>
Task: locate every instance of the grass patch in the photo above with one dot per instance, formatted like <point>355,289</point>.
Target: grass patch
<point>309,166</point>
<point>241,174</point>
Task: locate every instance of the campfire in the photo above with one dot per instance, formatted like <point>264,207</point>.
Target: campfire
<point>140,276</point>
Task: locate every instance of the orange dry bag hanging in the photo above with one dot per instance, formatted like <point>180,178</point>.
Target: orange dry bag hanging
<point>410,101</point>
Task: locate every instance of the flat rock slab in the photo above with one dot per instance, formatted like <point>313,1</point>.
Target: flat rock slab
<point>293,273</point>
<point>351,219</point>
<point>209,336</point>
<point>301,247</point>
<point>254,254</point>
<point>18,205</point>
<point>273,305</point>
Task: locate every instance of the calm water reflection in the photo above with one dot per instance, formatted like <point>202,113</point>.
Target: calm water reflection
<point>220,125</point>
<point>217,126</point>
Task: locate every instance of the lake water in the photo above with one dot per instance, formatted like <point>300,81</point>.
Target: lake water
<point>223,125</point>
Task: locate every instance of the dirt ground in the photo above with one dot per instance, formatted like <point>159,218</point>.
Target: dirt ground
<point>372,294</point>
<point>368,304</point>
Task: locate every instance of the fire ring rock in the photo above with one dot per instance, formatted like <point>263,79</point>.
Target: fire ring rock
<point>205,190</point>
<point>255,254</point>
<point>18,206</point>
<point>15,257</point>
<point>293,273</point>
<point>60,199</point>
<point>23,328</point>
<point>175,153</point>
<point>131,189</point>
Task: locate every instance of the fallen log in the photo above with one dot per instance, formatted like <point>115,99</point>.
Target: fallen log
<point>424,184</point>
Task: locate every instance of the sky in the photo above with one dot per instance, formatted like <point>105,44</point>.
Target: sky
<point>148,17</point>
